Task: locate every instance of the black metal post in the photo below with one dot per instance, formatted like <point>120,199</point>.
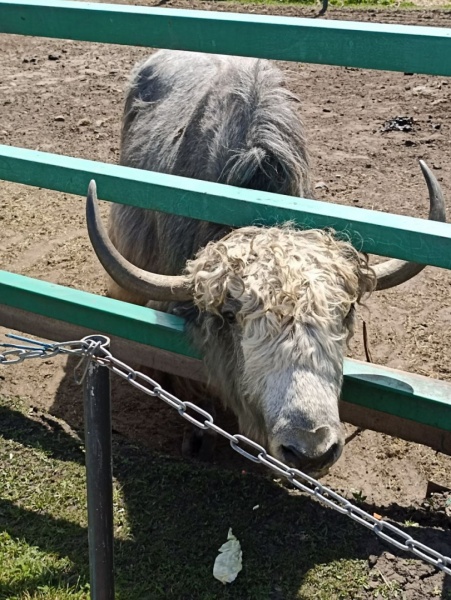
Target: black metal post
<point>99,476</point>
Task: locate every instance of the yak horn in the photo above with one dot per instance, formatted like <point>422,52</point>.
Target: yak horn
<point>394,272</point>
<point>128,276</point>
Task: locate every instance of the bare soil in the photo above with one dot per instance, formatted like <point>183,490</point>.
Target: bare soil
<point>66,97</point>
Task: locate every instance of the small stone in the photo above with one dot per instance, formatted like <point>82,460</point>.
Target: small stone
<point>404,124</point>
<point>59,118</point>
<point>422,90</point>
<point>83,122</point>
<point>390,556</point>
<point>321,185</point>
<point>372,560</point>
<point>54,57</point>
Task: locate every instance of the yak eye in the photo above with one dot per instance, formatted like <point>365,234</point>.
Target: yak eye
<point>229,316</point>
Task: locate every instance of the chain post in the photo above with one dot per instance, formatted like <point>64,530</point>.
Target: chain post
<point>99,472</point>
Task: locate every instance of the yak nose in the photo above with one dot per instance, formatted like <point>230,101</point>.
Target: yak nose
<point>308,463</point>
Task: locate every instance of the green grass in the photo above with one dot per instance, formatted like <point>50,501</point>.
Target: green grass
<point>170,519</point>
<point>335,3</point>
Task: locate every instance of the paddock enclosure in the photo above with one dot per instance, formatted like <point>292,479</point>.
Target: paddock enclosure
<point>65,97</point>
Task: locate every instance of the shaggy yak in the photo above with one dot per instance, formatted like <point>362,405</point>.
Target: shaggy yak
<point>271,308</point>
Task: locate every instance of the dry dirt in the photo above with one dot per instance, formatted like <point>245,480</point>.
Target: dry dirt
<point>66,97</point>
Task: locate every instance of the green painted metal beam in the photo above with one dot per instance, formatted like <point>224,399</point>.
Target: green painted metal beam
<point>421,399</point>
<point>412,397</point>
<point>98,313</point>
<point>371,231</point>
<point>365,45</point>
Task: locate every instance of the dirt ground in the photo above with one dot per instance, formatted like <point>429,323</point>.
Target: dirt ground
<point>66,97</point>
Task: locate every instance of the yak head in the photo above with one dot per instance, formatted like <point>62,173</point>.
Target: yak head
<point>275,309</point>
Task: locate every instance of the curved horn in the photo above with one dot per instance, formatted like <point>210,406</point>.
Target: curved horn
<point>128,276</point>
<point>394,272</point>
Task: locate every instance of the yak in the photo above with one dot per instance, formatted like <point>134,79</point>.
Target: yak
<point>269,308</point>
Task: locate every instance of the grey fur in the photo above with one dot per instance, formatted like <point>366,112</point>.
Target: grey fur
<point>227,120</point>
<point>216,118</point>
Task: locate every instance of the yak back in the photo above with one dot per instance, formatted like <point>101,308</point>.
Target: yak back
<point>217,118</point>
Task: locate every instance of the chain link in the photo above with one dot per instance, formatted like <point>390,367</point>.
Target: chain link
<point>38,350</point>
<point>251,450</point>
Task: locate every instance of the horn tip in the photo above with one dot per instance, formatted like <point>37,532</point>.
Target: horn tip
<point>92,188</point>
<point>424,167</point>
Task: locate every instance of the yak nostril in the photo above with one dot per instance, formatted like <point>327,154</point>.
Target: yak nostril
<point>292,455</point>
<point>297,458</point>
<point>330,456</point>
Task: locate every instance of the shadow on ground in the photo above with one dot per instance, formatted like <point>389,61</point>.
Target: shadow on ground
<point>178,515</point>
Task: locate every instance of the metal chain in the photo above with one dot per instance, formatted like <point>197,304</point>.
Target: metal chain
<point>240,443</point>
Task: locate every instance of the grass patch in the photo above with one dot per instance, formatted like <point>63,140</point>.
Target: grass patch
<point>336,3</point>
<point>170,519</point>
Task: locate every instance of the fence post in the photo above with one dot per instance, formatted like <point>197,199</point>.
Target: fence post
<point>99,475</point>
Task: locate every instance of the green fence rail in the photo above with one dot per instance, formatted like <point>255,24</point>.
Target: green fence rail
<point>403,395</point>
<point>365,45</point>
<point>375,232</point>
<point>128,321</point>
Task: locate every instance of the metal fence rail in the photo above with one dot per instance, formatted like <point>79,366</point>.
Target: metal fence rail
<point>375,232</point>
<point>419,399</point>
<point>365,45</point>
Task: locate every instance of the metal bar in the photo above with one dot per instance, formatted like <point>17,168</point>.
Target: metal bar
<point>351,409</point>
<point>374,232</point>
<point>365,45</point>
<point>419,399</point>
<point>99,475</point>
<point>59,331</point>
<point>98,313</point>
<point>367,418</point>
<point>408,395</point>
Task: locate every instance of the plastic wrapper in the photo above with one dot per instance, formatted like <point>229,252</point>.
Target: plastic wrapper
<point>228,563</point>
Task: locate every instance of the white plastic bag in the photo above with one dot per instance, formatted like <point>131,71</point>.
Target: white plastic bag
<point>228,563</point>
